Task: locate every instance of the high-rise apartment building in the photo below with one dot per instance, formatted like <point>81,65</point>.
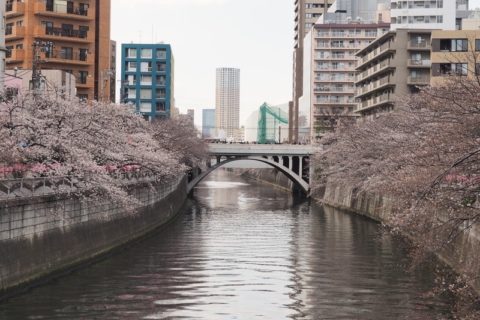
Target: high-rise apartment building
<point>307,13</point>
<point>208,123</point>
<point>79,31</point>
<point>329,89</point>
<point>227,102</point>
<point>428,14</point>
<point>148,79</point>
<point>394,65</point>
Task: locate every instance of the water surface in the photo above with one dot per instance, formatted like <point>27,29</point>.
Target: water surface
<point>241,250</point>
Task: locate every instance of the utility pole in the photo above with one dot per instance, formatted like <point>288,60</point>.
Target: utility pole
<point>38,48</point>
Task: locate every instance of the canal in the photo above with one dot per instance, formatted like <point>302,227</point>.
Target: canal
<point>241,250</point>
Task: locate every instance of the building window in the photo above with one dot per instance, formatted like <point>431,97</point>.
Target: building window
<point>454,45</point>
<point>160,93</point>
<point>161,81</point>
<point>146,67</point>
<point>161,66</point>
<point>161,54</point>
<point>132,66</point>
<point>160,106</point>
<point>83,54</point>
<point>477,44</point>
<point>146,54</point>
<point>146,80</point>
<point>66,53</point>
<point>131,53</point>
<point>145,107</point>
<point>132,93</point>
<point>82,77</point>
<point>146,94</point>
<point>459,69</point>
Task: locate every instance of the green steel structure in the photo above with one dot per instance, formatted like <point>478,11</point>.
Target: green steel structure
<point>269,120</point>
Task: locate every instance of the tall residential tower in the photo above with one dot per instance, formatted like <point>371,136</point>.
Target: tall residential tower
<point>148,79</point>
<point>227,102</point>
<point>73,36</point>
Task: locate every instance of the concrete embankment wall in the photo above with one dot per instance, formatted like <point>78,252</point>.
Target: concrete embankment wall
<point>269,176</point>
<point>43,235</point>
<point>462,255</point>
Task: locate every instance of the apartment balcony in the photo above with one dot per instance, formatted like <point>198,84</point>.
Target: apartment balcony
<point>422,80</point>
<point>375,102</point>
<point>15,55</point>
<point>87,83</point>
<point>376,54</point>
<point>14,9</point>
<point>335,102</point>
<point>331,69</point>
<point>59,11</point>
<point>65,35</point>
<point>14,33</point>
<point>374,71</point>
<point>419,63</point>
<point>380,84</point>
<point>68,58</point>
<point>334,90</point>
<point>333,79</point>
<point>419,46</point>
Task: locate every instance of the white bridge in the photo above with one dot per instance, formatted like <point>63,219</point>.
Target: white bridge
<point>292,160</point>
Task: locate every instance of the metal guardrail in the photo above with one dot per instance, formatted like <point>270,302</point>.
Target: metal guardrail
<point>18,188</point>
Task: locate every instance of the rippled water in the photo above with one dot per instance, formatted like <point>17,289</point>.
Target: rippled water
<point>241,250</point>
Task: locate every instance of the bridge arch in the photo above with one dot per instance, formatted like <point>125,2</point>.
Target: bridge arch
<point>280,163</point>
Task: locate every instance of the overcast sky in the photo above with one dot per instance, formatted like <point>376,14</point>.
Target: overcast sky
<point>253,35</point>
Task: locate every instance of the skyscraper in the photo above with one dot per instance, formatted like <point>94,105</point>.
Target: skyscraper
<point>147,77</point>
<point>79,32</point>
<point>208,123</point>
<point>227,102</point>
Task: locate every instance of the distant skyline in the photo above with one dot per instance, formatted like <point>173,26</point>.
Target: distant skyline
<point>255,36</point>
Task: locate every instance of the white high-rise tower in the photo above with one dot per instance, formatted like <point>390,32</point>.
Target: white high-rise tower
<point>227,102</point>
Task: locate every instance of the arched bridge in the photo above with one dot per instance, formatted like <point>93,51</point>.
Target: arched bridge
<point>292,160</point>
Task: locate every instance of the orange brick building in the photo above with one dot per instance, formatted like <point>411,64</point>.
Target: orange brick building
<point>80,33</point>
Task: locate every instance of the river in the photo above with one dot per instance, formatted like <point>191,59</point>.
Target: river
<point>241,250</point>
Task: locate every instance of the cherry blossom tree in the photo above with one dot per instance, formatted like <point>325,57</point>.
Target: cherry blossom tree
<point>425,157</point>
<point>90,142</point>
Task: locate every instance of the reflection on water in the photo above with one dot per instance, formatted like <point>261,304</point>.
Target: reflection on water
<point>242,250</point>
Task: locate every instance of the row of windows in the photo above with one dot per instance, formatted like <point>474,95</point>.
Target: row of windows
<point>131,66</point>
<point>132,53</point>
<point>417,4</point>
<point>417,19</point>
<point>160,93</point>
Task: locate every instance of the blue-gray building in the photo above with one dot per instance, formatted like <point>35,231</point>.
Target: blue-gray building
<point>208,123</point>
<point>147,79</point>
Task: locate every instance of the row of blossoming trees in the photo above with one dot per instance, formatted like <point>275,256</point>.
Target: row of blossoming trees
<point>425,157</point>
<point>53,136</point>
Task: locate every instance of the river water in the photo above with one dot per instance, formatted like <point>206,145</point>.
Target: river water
<point>241,250</point>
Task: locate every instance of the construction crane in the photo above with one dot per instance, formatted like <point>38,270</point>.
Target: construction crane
<point>278,117</point>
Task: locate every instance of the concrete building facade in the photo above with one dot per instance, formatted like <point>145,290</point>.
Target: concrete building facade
<point>3,50</point>
<point>329,90</point>
<point>428,14</point>
<point>227,102</point>
<point>79,32</point>
<point>393,65</point>
<point>53,81</point>
<point>455,53</point>
<point>148,78</point>
<point>307,13</point>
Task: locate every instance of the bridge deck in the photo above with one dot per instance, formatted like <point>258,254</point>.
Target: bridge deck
<point>260,149</point>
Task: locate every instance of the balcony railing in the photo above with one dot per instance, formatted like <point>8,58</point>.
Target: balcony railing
<point>14,8</point>
<point>419,63</point>
<point>419,80</point>
<point>12,32</point>
<point>47,7</point>
<point>63,56</point>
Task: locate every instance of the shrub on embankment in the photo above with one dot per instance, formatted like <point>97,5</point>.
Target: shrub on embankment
<point>53,136</point>
<point>425,157</point>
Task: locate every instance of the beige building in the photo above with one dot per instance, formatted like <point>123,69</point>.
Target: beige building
<point>455,53</point>
<point>227,102</point>
<point>329,90</point>
<point>307,13</point>
<point>79,32</point>
<point>392,66</point>
<point>52,82</point>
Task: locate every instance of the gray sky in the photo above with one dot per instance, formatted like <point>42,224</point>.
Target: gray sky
<point>474,4</point>
<point>253,35</point>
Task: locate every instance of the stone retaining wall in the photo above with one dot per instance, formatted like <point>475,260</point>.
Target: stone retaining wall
<point>43,235</point>
<point>462,255</point>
